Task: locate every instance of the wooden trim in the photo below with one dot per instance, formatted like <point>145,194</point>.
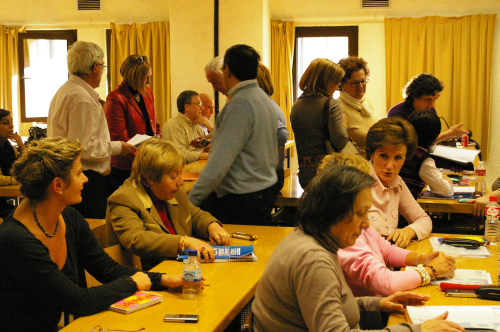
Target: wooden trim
<point>69,35</point>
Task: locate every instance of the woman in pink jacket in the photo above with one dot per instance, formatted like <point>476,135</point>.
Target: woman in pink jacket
<point>130,110</point>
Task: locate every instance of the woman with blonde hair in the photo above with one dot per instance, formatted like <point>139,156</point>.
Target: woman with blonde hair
<point>45,245</point>
<point>317,118</point>
<point>150,214</point>
<point>130,110</point>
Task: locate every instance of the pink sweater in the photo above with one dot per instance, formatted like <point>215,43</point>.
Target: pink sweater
<point>365,266</point>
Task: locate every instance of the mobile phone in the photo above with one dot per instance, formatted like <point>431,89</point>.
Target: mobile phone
<point>181,318</point>
<point>461,293</point>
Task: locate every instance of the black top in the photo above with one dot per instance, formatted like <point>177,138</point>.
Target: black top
<point>144,110</point>
<point>8,156</point>
<point>35,292</point>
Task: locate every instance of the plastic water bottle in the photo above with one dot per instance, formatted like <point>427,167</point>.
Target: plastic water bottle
<point>492,212</point>
<point>480,180</point>
<point>192,275</point>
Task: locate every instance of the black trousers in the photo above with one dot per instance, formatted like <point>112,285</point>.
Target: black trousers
<point>117,177</point>
<point>243,209</point>
<point>93,203</point>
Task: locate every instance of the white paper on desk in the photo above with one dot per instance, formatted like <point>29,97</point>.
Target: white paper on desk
<point>458,189</point>
<point>138,139</point>
<point>463,277</point>
<point>465,316</point>
<point>481,252</point>
<point>464,155</point>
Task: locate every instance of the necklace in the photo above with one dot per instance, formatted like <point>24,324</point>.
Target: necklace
<point>137,97</point>
<point>39,225</point>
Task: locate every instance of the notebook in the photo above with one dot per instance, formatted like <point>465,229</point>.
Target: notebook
<point>138,301</point>
<point>465,316</point>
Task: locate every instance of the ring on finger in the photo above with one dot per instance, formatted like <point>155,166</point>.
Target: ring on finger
<point>202,249</point>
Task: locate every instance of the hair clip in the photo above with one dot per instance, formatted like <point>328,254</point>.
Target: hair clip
<point>41,156</point>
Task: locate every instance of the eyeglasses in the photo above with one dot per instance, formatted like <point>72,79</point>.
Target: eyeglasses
<point>98,328</point>
<point>141,59</point>
<point>199,104</point>
<point>103,65</point>
<point>355,84</point>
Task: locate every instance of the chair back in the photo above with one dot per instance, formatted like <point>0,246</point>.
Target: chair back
<point>121,256</point>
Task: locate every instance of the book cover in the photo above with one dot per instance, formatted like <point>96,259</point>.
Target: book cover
<point>138,301</point>
<point>230,254</point>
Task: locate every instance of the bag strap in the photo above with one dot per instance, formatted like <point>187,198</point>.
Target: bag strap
<point>326,113</point>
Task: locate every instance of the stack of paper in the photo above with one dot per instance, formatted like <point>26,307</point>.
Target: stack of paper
<point>465,316</point>
<point>481,252</point>
<point>138,139</point>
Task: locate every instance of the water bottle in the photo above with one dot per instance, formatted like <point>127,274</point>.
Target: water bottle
<point>192,275</point>
<point>492,211</point>
<point>480,180</point>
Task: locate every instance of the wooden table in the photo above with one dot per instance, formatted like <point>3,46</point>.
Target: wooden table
<point>231,287</point>
<point>10,191</point>
<point>194,167</point>
<point>291,192</point>
<point>445,205</point>
<point>438,297</point>
<point>288,147</point>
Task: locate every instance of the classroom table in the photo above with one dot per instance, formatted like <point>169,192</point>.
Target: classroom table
<point>10,191</point>
<point>230,287</point>
<point>437,297</point>
<point>291,191</point>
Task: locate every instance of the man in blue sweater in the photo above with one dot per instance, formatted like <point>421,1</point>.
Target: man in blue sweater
<point>241,170</point>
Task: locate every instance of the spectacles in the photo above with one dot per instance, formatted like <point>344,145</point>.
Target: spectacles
<point>98,328</point>
<point>141,59</point>
<point>103,65</point>
<point>355,84</point>
<point>199,104</point>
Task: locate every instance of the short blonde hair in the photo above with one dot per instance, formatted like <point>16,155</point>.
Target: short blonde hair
<point>154,159</point>
<point>42,162</point>
<point>264,80</point>
<point>345,158</point>
<point>320,72</point>
<point>393,131</point>
<point>134,71</point>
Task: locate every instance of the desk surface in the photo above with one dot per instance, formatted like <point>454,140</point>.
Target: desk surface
<point>231,286</point>
<point>10,191</point>
<point>438,297</point>
<point>291,192</point>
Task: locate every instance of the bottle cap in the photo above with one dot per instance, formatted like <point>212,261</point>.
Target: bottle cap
<point>493,198</point>
<point>194,252</point>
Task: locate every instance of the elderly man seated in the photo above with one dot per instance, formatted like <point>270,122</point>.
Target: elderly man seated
<point>183,128</point>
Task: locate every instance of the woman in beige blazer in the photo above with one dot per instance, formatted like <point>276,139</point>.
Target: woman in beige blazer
<point>150,214</point>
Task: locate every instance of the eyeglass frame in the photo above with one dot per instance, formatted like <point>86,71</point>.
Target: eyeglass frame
<point>199,104</point>
<point>103,65</point>
<point>101,329</point>
<point>355,84</point>
<point>141,59</point>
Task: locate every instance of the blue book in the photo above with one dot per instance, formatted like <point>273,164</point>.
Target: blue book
<point>229,254</point>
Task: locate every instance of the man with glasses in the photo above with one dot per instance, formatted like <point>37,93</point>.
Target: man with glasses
<point>206,113</point>
<point>183,128</point>
<point>75,113</point>
<point>421,92</point>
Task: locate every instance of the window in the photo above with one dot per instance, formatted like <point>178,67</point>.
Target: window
<point>43,69</point>
<point>333,43</point>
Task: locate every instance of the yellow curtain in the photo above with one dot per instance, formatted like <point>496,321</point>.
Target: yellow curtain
<point>458,51</point>
<point>9,67</point>
<point>152,40</point>
<point>282,46</point>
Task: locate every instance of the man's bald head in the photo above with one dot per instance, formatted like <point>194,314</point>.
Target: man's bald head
<point>208,105</point>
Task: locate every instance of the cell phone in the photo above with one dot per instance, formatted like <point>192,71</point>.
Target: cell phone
<point>460,293</point>
<point>181,318</point>
<point>204,142</point>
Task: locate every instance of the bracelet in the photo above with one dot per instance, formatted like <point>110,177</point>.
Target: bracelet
<point>183,243</point>
<point>417,259</point>
<point>426,279</point>
<point>435,273</point>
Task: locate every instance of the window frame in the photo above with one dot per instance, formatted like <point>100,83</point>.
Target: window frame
<point>69,35</point>
<point>323,31</point>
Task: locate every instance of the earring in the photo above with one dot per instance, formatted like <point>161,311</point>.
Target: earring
<point>60,192</point>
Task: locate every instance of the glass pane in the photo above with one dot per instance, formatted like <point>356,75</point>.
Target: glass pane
<point>45,70</point>
<point>310,48</point>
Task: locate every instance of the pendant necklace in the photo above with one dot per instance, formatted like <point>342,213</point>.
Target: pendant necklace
<point>39,225</point>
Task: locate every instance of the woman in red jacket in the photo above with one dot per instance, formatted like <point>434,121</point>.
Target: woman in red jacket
<point>130,110</point>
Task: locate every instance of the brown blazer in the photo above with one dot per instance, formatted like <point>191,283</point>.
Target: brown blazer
<point>132,220</point>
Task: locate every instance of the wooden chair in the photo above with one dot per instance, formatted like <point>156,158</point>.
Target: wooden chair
<point>120,255</point>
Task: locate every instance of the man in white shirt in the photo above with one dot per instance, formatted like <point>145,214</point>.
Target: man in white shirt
<point>184,128</point>
<point>75,113</point>
<point>206,113</point>
<point>213,73</point>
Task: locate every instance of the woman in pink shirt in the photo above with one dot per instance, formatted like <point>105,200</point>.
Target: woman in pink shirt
<point>365,264</point>
<point>389,142</point>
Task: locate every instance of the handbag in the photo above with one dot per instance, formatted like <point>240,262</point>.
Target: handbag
<point>350,146</point>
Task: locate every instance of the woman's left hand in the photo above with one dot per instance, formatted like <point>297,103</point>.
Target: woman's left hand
<point>399,300</point>
<point>402,236</point>
<point>218,235</point>
<point>19,141</point>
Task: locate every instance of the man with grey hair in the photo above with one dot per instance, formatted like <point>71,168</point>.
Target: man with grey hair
<point>213,73</point>
<point>75,113</point>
